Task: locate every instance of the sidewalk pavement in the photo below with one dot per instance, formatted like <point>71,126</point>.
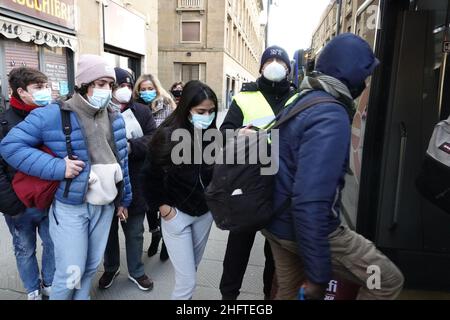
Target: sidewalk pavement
<point>162,273</point>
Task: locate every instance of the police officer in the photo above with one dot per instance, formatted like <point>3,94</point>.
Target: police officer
<point>256,105</point>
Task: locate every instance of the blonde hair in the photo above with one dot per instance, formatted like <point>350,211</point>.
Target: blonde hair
<point>161,93</point>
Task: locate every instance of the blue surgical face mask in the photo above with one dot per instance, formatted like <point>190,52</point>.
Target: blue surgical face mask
<point>100,98</point>
<point>42,97</point>
<point>201,121</point>
<point>148,96</point>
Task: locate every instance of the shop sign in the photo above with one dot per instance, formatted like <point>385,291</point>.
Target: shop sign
<point>124,29</point>
<point>59,12</point>
<point>26,33</point>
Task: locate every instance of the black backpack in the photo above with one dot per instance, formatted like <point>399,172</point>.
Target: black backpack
<point>239,196</point>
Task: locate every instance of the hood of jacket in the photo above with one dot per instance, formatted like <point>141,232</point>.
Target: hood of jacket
<point>348,58</point>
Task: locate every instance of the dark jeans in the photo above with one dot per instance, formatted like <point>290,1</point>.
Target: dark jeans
<point>23,229</point>
<point>235,264</point>
<point>134,242</point>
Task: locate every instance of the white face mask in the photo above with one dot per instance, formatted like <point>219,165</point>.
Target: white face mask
<point>123,95</point>
<point>100,98</point>
<point>275,72</point>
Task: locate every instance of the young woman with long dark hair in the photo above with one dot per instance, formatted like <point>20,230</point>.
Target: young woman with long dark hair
<point>178,190</point>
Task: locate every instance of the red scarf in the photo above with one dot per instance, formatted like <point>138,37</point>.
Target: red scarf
<point>18,104</point>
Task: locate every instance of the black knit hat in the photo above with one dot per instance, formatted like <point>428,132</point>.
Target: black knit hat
<point>123,76</point>
<point>275,52</point>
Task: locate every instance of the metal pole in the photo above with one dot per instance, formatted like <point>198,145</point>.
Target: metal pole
<point>339,14</point>
<point>269,3</point>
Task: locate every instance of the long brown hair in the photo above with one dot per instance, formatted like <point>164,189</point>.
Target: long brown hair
<point>161,93</point>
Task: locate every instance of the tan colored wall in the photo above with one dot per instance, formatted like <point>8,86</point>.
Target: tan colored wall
<point>216,12</point>
<point>168,27</point>
<point>88,23</point>
<point>235,70</point>
<point>213,48</point>
<point>214,67</point>
<point>90,29</point>
<point>149,8</point>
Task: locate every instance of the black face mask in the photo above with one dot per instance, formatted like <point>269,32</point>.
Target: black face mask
<point>177,93</point>
<point>356,92</point>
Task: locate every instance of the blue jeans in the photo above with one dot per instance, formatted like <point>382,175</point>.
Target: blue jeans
<point>80,234</point>
<point>23,230</point>
<point>185,238</point>
<point>134,242</point>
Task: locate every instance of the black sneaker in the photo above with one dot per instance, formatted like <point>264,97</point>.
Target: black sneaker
<point>107,279</point>
<point>153,249</point>
<point>144,283</point>
<point>164,255</point>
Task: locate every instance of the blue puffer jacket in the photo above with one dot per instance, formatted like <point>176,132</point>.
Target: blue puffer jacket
<point>44,127</point>
<point>314,155</point>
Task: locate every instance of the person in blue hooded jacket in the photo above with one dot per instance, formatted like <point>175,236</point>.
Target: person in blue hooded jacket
<point>308,241</point>
<point>93,183</point>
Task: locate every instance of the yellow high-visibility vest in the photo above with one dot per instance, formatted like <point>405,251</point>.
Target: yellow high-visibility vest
<point>255,108</point>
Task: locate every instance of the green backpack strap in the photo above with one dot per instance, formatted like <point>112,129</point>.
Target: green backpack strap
<point>302,107</point>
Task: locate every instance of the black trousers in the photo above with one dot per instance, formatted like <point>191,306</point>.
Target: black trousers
<point>235,264</point>
<point>153,219</point>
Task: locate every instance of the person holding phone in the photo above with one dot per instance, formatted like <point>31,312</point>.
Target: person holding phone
<point>254,107</point>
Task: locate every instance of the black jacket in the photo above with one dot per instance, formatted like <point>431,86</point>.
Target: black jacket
<point>276,94</point>
<point>179,186</point>
<point>9,203</point>
<point>139,148</point>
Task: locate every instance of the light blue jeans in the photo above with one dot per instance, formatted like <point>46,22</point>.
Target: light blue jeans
<point>185,238</point>
<point>79,234</point>
<point>23,229</point>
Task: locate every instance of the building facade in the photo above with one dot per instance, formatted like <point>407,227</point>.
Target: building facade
<point>50,35</point>
<point>219,42</point>
<point>356,16</point>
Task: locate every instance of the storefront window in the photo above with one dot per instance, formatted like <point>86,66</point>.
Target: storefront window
<point>55,67</point>
<point>132,64</point>
<point>51,61</point>
<point>20,54</point>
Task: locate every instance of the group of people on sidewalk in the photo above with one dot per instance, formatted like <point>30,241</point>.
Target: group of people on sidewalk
<point>114,164</point>
<point>99,183</point>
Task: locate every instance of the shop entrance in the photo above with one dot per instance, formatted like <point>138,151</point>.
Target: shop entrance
<point>56,63</point>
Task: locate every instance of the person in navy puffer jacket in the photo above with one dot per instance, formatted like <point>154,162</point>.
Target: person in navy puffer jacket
<point>81,215</point>
<point>308,241</point>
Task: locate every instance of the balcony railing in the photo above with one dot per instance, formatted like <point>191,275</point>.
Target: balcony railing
<point>191,5</point>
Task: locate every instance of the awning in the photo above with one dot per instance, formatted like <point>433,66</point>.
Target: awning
<point>25,32</point>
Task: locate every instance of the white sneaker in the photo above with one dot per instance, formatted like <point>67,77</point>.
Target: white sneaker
<point>35,295</point>
<point>46,291</point>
